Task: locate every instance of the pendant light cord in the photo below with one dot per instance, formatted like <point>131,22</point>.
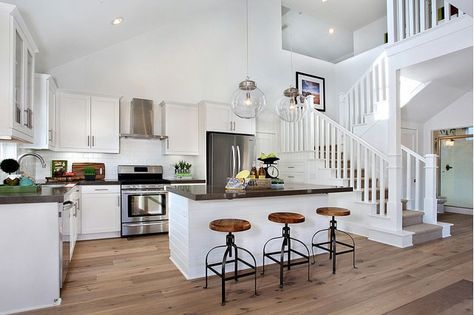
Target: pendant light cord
<point>247,34</point>
<point>291,59</point>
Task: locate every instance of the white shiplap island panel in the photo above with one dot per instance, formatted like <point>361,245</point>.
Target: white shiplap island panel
<point>190,237</point>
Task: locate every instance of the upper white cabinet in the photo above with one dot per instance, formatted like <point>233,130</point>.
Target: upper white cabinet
<point>180,123</point>
<point>45,134</point>
<point>219,117</point>
<point>17,63</point>
<point>87,123</point>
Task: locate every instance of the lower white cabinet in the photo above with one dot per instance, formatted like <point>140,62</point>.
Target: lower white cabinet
<point>100,211</point>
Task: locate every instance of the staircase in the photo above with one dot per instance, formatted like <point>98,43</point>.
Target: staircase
<point>423,232</point>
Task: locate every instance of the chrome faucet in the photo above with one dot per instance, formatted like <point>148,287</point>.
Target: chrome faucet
<point>36,155</point>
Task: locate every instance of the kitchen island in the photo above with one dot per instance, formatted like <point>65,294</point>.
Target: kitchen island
<point>191,208</point>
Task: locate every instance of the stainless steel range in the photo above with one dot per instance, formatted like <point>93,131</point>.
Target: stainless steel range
<point>144,202</point>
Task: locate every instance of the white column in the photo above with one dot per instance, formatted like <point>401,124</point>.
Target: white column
<point>394,149</point>
<point>430,203</point>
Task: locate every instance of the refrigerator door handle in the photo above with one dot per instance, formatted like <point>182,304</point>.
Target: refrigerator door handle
<point>238,159</point>
<point>233,161</point>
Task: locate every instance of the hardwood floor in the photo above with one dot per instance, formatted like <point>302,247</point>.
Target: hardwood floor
<point>135,276</point>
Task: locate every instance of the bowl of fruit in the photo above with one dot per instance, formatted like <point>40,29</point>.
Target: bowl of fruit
<point>270,158</point>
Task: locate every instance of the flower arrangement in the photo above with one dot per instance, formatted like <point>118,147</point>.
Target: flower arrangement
<point>182,169</point>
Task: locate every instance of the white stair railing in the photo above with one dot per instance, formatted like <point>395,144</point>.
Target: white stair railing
<point>406,18</point>
<point>356,162</point>
<point>363,97</point>
<point>418,171</point>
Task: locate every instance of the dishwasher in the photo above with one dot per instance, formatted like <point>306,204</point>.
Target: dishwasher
<point>65,239</point>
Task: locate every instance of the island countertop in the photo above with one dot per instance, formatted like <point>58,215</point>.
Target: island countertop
<point>203,192</point>
<point>43,195</point>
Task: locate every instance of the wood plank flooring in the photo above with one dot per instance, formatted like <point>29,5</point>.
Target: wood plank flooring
<point>135,276</point>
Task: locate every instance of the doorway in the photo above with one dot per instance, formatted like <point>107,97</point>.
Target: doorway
<point>455,151</point>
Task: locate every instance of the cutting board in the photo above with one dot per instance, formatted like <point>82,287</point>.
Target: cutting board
<point>78,168</point>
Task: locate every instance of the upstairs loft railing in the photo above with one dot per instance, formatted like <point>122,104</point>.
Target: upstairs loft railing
<point>406,18</point>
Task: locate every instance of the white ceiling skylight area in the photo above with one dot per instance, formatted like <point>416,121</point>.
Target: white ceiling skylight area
<point>332,30</point>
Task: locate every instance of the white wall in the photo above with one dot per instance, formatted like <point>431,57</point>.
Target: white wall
<point>457,114</point>
<point>370,36</point>
<point>198,59</point>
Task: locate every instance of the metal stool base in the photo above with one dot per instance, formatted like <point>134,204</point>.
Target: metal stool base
<point>332,245</point>
<point>230,245</point>
<point>286,252</point>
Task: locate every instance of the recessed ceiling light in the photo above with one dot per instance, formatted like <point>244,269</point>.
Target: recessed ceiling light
<point>324,0</point>
<point>331,30</point>
<point>117,20</point>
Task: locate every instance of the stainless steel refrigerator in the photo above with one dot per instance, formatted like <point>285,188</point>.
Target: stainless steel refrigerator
<point>228,154</point>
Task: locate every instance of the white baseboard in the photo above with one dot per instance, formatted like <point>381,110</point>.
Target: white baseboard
<point>400,239</point>
<point>459,210</point>
<point>446,228</point>
<point>97,236</point>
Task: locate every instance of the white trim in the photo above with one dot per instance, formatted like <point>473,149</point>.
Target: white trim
<point>459,210</point>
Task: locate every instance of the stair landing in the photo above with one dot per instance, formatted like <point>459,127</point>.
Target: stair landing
<point>413,222</point>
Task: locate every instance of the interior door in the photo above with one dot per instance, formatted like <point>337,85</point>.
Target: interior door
<point>245,152</point>
<point>409,138</point>
<point>221,161</point>
<point>456,157</point>
<point>73,120</point>
<point>104,124</point>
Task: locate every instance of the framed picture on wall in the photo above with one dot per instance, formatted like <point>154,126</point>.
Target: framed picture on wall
<point>314,86</point>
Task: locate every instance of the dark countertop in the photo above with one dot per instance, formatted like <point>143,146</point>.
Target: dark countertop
<point>87,182</point>
<point>187,181</point>
<point>203,192</point>
<point>44,195</point>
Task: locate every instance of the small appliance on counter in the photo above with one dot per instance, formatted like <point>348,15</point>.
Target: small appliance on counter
<point>143,199</point>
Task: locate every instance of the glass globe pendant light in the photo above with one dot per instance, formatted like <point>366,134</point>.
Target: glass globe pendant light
<point>248,100</point>
<point>293,106</point>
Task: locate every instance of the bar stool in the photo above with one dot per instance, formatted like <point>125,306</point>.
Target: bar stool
<point>230,226</point>
<point>333,212</point>
<point>286,218</point>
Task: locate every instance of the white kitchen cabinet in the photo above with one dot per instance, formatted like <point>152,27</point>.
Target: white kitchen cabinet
<point>100,211</point>
<point>17,61</point>
<point>180,123</point>
<point>87,123</point>
<point>44,118</point>
<point>219,117</point>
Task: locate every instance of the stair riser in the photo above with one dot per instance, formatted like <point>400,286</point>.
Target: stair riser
<point>426,237</point>
<point>407,221</point>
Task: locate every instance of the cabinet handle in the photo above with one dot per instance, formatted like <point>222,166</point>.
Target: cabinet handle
<point>118,201</point>
<point>26,118</point>
<point>289,176</point>
<point>50,133</point>
<point>101,189</point>
<point>291,167</point>
<point>168,143</point>
<point>230,126</point>
<point>88,141</point>
<point>93,141</point>
<point>234,125</point>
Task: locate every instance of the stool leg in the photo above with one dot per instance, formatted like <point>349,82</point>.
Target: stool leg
<point>282,261</point>
<point>263,256</point>
<point>207,256</point>
<point>330,241</point>
<point>307,250</point>
<point>224,260</point>
<point>354,249</point>
<point>333,244</point>
<point>313,244</point>
<point>255,265</point>
<point>236,263</point>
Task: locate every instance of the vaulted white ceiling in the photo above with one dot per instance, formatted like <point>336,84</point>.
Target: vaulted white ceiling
<point>68,29</point>
<point>447,77</point>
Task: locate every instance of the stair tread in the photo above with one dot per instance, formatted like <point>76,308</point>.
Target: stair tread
<point>422,228</point>
<point>412,213</point>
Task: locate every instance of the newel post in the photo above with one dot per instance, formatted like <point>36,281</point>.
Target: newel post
<point>430,203</point>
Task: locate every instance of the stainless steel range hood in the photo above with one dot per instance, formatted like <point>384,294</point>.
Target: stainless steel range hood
<point>141,120</point>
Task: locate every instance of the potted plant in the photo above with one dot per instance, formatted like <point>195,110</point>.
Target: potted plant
<point>89,173</point>
<point>182,169</point>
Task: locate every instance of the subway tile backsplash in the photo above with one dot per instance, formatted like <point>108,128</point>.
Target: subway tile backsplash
<point>132,151</point>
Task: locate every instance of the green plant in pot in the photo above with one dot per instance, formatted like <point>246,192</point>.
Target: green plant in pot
<point>89,173</point>
<point>182,169</point>
<point>10,166</point>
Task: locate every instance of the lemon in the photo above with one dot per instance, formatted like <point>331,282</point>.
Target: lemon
<point>243,174</point>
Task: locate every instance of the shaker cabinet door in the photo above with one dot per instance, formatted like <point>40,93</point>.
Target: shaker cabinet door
<point>73,121</point>
<point>105,125</point>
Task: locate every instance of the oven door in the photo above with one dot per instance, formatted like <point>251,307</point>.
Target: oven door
<point>143,206</point>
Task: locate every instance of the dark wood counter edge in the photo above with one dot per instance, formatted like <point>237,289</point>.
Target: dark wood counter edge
<point>257,193</point>
<point>187,181</point>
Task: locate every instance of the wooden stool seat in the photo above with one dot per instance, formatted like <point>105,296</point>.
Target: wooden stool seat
<point>286,217</point>
<point>230,225</point>
<point>333,211</point>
